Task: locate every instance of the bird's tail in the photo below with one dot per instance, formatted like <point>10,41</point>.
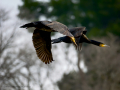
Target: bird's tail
<point>56,40</point>
<point>98,43</point>
<point>27,25</point>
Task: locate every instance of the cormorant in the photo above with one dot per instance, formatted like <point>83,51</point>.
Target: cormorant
<point>80,36</point>
<point>42,39</point>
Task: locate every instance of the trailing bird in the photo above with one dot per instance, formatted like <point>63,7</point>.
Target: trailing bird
<point>42,40</point>
<point>80,36</point>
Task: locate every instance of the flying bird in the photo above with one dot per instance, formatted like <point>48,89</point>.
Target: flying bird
<point>80,36</point>
<point>42,39</point>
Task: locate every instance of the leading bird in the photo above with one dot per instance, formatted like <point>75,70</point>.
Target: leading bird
<point>42,39</point>
<point>80,36</point>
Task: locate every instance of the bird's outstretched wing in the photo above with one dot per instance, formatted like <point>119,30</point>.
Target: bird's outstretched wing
<point>63,29</point>
<point>51,26</point>
<point>42,44</point>
<point>40,25</point>
<point>78,31</point>
<point>59,27</point>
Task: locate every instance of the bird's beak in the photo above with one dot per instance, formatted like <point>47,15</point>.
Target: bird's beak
<point>73,39</point>
<point>103,45</point>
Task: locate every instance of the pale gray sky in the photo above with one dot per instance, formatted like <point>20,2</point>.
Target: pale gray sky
<point>11,5</point>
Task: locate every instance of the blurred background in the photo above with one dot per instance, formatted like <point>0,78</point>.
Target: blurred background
<point>94,68</point>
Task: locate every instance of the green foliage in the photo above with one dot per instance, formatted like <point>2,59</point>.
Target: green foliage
<point>114,28</point>
<point>32,9</point>
<point>96,15</point>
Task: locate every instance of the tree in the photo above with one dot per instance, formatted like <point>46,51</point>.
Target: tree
<point>103,68</point>
<point>32,9</point>
<point>15,61</point>
<point>7,73</point>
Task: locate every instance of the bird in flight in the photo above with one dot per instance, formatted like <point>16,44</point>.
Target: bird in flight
<point>42,40</point>
<point>80,36</point>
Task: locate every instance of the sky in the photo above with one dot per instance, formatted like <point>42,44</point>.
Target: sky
<point>11,5</point>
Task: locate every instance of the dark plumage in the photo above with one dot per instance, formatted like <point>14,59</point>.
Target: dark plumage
<point>42,43</point>
<point>80,37</point>
<point>42,39</point>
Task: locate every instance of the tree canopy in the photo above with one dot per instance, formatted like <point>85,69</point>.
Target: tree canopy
<point>98,16</point>
<point>102,69</point>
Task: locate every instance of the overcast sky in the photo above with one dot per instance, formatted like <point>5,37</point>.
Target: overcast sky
<point>11,5</point>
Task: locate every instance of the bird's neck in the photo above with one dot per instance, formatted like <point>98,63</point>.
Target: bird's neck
<point>95,42</point>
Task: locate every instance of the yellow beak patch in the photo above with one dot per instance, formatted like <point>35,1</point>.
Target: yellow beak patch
<point>103,45</point>
<point>73,39</point>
